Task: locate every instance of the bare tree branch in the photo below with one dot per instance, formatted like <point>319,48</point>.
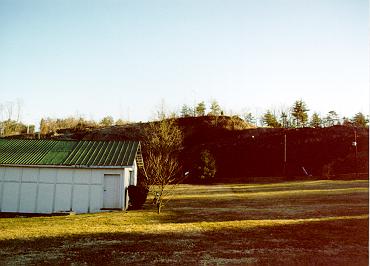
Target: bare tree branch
<point>162,169</point>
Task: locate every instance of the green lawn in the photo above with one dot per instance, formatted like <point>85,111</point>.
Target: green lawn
<point>290,223</point>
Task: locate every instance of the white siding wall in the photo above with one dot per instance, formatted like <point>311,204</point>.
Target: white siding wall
<point>48,190</point>
<point>126,182</point>
<point>96,198</point>
<point>80,201</point>
<point>10,197</point>
<point>45,196</point>
<point>63,197</point>
<point>11,189</point>
<point>2,173</point>
<point>28,197</point>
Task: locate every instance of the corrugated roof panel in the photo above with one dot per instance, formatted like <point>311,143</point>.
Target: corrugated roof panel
<point>89,152</point>
<point>27,152</point>
<point>130,151</point>
<point>69,153</point>
<point>134,151</point>
<point>119,149</point>
<point>126,158</point>
<point>35,157</point>
<point>83,150</point>
<point>72,154</point>
<point>84,158</point>
<point>59,152</point>
<point>6,151</point>
<point>122,154</point>
<point>80,152</point>
<point>109,153</point>
<point>100,151</point>
<point>34,153</point>
<point>93,151</point>
<point>98,156</point>
<point>103,153</point>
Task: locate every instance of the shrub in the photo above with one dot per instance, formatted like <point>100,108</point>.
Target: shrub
<point>207,166</point>
<point>137,196</point>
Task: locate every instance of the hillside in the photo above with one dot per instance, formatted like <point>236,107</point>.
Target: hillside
<point>242,151</point>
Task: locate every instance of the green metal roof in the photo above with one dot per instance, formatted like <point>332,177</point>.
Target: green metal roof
<point>68,153</point>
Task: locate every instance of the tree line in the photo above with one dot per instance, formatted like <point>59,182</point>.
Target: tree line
<point>200,109</point>
<point>293,117</point>
<point>51,126</point>
<point>11,124</point>
<point>297,116</point>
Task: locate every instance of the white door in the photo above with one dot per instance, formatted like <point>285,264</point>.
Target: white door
<point>111,192</point>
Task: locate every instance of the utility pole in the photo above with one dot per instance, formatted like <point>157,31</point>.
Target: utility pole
<point>284,166</point>
<point>354,144</point>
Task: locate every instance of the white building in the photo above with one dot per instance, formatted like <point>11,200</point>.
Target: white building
<point>50,176</point>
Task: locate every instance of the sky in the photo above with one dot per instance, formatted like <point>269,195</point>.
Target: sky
<point>95,58</point>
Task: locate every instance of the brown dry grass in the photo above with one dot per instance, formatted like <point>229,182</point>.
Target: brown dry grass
<point>291,223</point>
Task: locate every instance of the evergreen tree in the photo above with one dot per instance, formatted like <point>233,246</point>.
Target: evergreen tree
<point>299,112</point>
<point>269,119</point>
<point>248,117</point>
<point>200,109</point>
<point>359,120</point>
<point>215,109</point>
<point>331,119</point>
<point>186,111</point>
<point>315,120</point>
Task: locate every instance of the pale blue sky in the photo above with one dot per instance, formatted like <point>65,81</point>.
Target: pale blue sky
<point>120,58</point>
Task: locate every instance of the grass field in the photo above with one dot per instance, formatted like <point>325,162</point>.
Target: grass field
<point>291,223</point>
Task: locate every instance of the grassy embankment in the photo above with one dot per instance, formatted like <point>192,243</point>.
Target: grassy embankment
<point>312,222</point>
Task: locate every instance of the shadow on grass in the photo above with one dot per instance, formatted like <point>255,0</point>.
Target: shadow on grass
<point>298,206</point>
<point>341,242</point>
